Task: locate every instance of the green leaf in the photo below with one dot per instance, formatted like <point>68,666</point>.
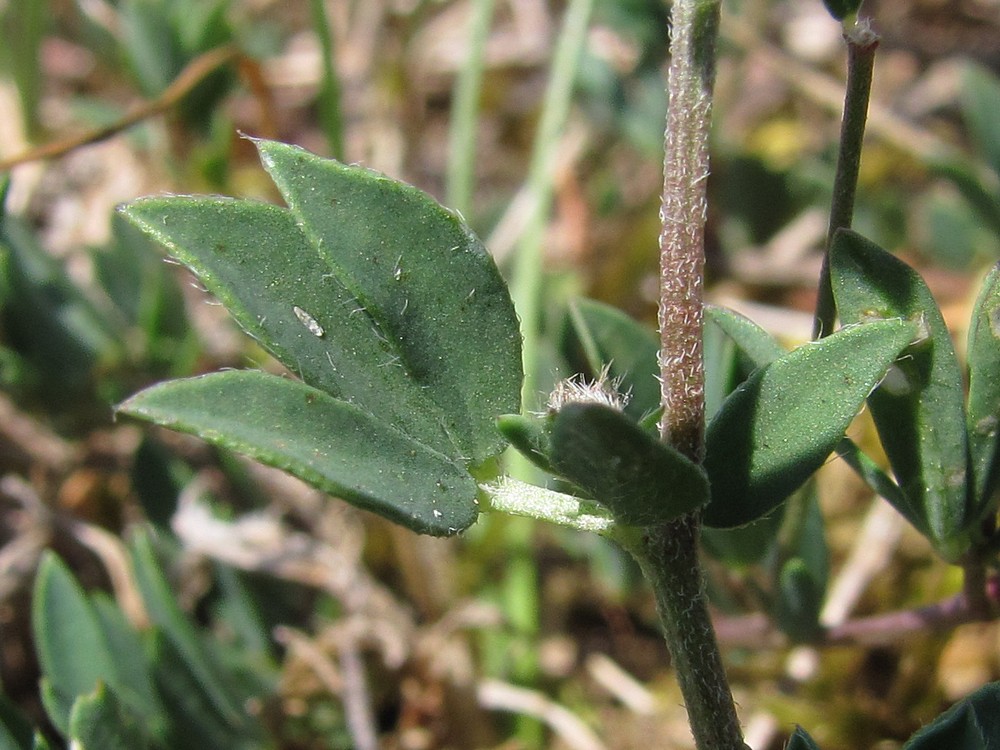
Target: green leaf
<point>72,648</point>
<point>100,721</point>
<point>199,658</point>
<point>625,346</point>
<point>804,568</point>
<point>972,724</point>
<point>196,721</point>
<point>15,728</point>
<point>800,597</point>
<point>841,9</point>
<point>638,478</point>
<point>984,394</point>
<point>979,97</point>
<point>425,281</point>
<point>372,293</point>
<point>801,740</point>
<point>529,436</point>
<point>756,343</point>
<point>134,681</point>
<point>919,408</point>
<point>780,425</point>
<point>329,443</point>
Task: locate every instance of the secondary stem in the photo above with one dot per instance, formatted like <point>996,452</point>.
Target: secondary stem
<point>668,553</point>
<point>861,45</point>
<point>668,557</point>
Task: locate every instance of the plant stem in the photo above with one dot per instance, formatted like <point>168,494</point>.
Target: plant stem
<point>526,282</point>
<point>668,553</point>
<point>329,92</point>
<point>464,111</point>
<point>668,556</point>
<point>861,45</point>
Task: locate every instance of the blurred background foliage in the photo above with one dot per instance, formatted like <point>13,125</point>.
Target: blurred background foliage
<point>327,627</point>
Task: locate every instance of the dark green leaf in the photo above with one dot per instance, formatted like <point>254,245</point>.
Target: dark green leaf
<point>968,180</point>
<point>779,426</point>
<point>743,545</point>
<point>331,444</point>
<point>529,437</point>
<point>72,648</point>
<point>134,681</point>
<point>639,479</point>
<point>799,599</point>
<point>625,346</point>
<point>919,408</point>
<point>841,9</point>
<point>980,94</point>
<point>801,741</point>
<point>365,288</point>
<point>161,604</point>
<point>880,483</point>
<point>756,343</point>
<point>984,394</point>
<point>196,721</point>
<point>373,294</point>
<point>425,282</point>
<point>972,724</point>
<point>101,720</point>
<point>15,728</point>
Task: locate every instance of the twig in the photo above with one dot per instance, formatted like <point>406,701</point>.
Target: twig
<point>194,73</point>
<point>356,696</point>
<point>757,631</point>
<point>623,686</point>
<point>502,696</point>
<point>861,45</point>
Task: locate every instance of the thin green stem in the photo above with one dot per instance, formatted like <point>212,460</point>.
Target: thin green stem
<point>861,45</point>
<point>465,112</point>
<point>330,116</point>
<point>526,284</point>
<point>668,553</point>
<point>668,556</point>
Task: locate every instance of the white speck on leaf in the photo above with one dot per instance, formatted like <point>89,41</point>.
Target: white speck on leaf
<point>308,321</point>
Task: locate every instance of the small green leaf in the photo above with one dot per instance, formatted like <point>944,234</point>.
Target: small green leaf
<point>972,724</point>
<point>800,597</point>
<point>329,443</point>
<point>529,437</point>
<point>779,426</point>
<point>801,740</point>
<point>625,346</point>
<point>100,721</point>
<point>195,718</point>
<point>984,394</point>
<point>756,343</point>
<point>841,9</point>
<point>15,728</point>
<point>979,96</point>
<point>161,604</point>
<point>919,408</point>
<point>639,479</point>
<point>72,649</point>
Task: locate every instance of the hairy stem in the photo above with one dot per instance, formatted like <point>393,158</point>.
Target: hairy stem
<point>668,556</point>
<point>861,45</point>
<point>668,553</point>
